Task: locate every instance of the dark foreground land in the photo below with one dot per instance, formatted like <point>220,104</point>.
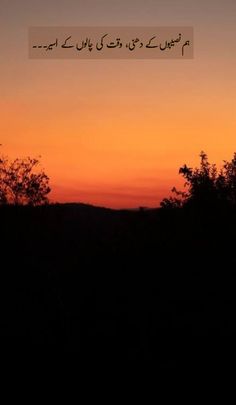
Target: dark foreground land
<point>156,284</point>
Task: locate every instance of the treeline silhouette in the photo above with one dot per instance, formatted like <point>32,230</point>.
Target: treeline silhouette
<point>107,285</point>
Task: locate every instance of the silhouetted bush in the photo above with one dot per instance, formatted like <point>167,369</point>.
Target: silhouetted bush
<point>21,184</point>
<point>207,186</point>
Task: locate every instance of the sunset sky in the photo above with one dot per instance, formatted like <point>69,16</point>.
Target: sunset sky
<point>115,132</point>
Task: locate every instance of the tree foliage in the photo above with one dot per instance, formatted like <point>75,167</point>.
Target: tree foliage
<point>21,183</point>
<point>206,186</point>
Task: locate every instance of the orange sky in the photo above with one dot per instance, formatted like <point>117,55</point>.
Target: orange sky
<point>114,132</point>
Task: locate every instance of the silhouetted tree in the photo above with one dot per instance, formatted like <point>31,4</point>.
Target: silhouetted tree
<point>21,184</point>
<point>206,185</point>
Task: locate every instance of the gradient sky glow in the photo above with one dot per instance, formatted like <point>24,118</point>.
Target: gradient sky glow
<point>115,132</point>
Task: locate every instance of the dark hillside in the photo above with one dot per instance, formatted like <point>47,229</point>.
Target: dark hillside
<point>98,282</point>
